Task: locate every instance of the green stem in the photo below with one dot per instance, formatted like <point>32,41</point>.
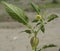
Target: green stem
<point>42,22</point>
<point>38,30</point>
<point>35,41</point>
<point>35,33</point>
<point>35,49</point>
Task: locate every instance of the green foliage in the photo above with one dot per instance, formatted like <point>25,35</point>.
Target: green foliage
<point>35,21</point>
<point>38,23</point>
<point>42,28</point>
<point>52,17</point>
<point>47,46</point>
<point>3,0</point>
<point>16,13</point>
<point>17,0</point>
<point>27,31</point>
<point>54,1</point>
<point>35,8</point>
<point>19,15</point>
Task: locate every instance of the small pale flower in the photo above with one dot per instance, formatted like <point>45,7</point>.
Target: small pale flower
<point>38,17</point>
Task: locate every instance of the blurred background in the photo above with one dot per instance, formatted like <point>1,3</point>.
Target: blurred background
<point>10,37</point>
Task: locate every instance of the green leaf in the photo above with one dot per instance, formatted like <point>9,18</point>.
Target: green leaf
<point>42,28</point>
<point>35,7</point>
<point>38,24</point>
<point>39,49</point>
<point>16,13</point>
<point>52,17</point>
<point>27,31</point>
<point>35,20</point>
<point>47,46</point>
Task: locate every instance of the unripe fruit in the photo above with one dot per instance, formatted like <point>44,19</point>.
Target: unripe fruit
<point>34,42</point>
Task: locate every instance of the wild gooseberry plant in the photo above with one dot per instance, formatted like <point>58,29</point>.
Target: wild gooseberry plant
<point>19,15</point>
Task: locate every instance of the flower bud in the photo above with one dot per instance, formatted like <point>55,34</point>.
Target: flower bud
<point>38,17</point>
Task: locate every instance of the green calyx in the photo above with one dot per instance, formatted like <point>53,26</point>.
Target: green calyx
<point>34,42</point>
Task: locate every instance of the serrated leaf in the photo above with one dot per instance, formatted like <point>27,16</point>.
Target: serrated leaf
<point>16,13</point>
<point>28,31</point>
<point>35,20</point>
<point>52,17</point>
<point>42,28</point>
<point>35,7</point>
